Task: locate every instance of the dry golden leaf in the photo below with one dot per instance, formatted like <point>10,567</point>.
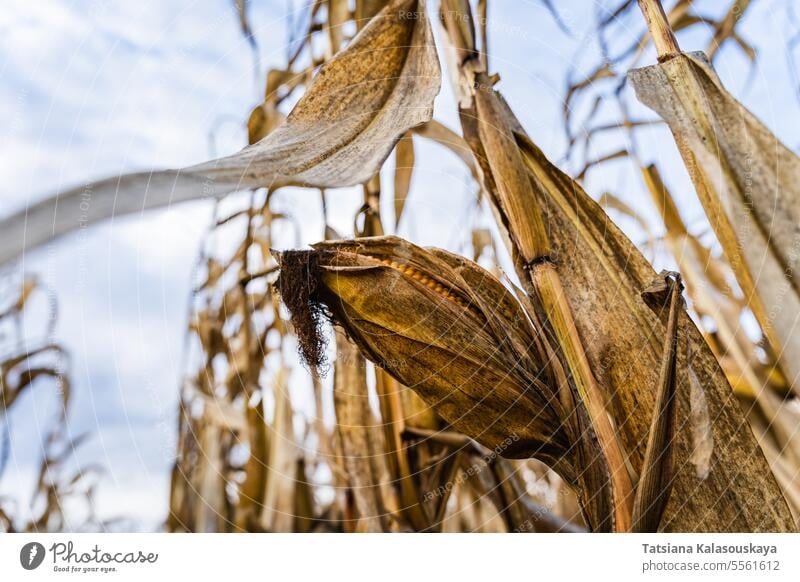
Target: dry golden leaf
<point>748,183</point>
<point>28,285</point>
<point>210,483</point>
<point>262,121</point>
<point>283,454</point>
<point>609,200</point>
<point>726,28</point>
<point>367,9</point>
<point>404,169</point>
<point>255,482</point>
<point>481,240</point>
<point>339,134</point>
<point>511,186</point>
<point>338,15</point>
<point>487,128</point>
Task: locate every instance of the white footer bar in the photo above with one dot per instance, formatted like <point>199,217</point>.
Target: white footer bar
<point>399,557</point>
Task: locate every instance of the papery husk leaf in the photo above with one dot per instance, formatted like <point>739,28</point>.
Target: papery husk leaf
<point>748,183</point>
<point>339,134</point>
<point>394,333</point>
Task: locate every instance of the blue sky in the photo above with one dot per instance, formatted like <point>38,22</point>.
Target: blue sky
<point>93,88</point>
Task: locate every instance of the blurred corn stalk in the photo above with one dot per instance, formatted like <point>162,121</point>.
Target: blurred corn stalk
<point>239,467</point>
<point>62,498</point>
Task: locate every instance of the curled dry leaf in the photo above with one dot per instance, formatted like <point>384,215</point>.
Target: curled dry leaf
<point>657,475</point>
<point>339,134</point>
<point>446,328</point>
<point>748,183</point>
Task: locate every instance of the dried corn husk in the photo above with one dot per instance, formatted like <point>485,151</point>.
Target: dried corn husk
<point>448,329</point>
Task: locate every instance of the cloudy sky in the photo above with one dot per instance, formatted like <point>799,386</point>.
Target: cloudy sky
<point>90,89</point>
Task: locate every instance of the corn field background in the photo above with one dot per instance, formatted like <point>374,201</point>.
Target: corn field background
<point>483,267</point>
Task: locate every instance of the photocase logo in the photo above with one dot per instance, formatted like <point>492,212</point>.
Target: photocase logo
<point>31,555</point>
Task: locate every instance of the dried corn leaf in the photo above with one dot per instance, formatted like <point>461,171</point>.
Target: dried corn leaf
<point>338,15</point>
<point>255,482</point>
<point>726,28</point>
<point>303,510</point>
<point>603,273</point>
<point>211,480</point>
<point>748,183</point>
<point>262,121</point>
<point>367,9</point>
<point>398,460</point>
<point>609,200</point>
<point>404,168</point>
<point>283,456</point>
<point>339,134</point>
<point>512,190</point>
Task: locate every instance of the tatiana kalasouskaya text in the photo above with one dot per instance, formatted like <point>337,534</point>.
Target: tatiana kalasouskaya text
<point>712,548</point>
